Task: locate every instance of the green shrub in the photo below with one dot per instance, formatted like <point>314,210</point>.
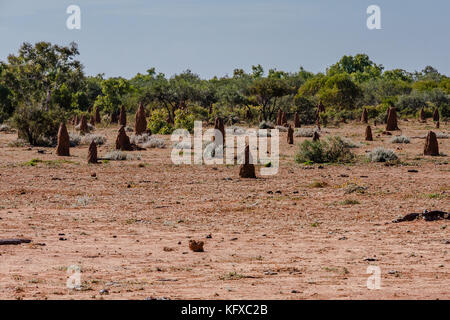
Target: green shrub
<point>184,120</point>
<point>36,125</point>
<point>330,150</point>
<point>158,122</point>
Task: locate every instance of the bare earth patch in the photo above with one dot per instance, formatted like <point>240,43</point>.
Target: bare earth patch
<point>128,226</point>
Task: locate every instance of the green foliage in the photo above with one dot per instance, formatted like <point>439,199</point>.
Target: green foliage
<point>40,72</point>
<point>49,76</point>
<point>184,120</point>
<point>339,91</point>
<point>360,67</point>
<point>38,126</point>
<point>6,104</point>
<point>306,109</point>
<point>266,91</point>
<point>113,92</point>
<point>330,150</point>
<point>158,124</point>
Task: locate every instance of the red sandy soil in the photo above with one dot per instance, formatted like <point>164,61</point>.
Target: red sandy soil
<point>129,227</point>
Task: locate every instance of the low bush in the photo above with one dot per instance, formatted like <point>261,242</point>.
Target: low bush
<point>400,139</point>
<point>120,155</point>
<point>36,125</point>
<point>330,150</point>
<point>305,132</point>
<point>381,155</point>
<point>154,142</point>
<point>281,128</point>
<point>266,125</point>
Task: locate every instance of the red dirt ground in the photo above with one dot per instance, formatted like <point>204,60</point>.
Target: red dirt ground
<point>129,227</point>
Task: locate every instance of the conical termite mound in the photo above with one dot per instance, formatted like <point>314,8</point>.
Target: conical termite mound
<point>392,120</point>
<point>284,119</point>
<point>369,134</point>
<point>316,136</point>
<point>92,153</point>
<point>431,145</point>
<point>247,169</point>
<point>422,115</point>
<point>364,116</point>
<point>436,115</point>
<point>123,141</point>
<point>62,149</point>
<point>290,135</point>
<point>279,115</point>
<point>140,125</point>
<point>84,128</point>
<point>218,125</point>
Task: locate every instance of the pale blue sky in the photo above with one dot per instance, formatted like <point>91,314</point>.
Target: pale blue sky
<point>212,37</point>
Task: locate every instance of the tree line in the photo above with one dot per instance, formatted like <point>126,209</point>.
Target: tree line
<point>44,84</point>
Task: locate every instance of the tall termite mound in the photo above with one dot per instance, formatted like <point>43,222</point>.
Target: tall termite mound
<point>283,119</point>
<point>92,153</point>
<point>436,115</point>
<point>84,125</point>
<point>140,124</point>
<point>123,141</point>
<point>431,145</point>
<point>247,169</point>
<point>62,149</point>
<point>369,134</point>
<point>364,116</point>
<point>218,125</point>
<point>279,115</point>
<point>392,120</point>
<point>290,135</point>
<point>316,136</point>
<point>422,115</point>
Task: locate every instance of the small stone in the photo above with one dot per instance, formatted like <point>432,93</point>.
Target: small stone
<point>196,246</point>
<point>104,292</point>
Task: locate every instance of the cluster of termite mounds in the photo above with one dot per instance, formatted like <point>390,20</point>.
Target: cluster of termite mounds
<point>247,169</point>
<point>281,118</point>
<point>122,141</point>
<point>422,116</point>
